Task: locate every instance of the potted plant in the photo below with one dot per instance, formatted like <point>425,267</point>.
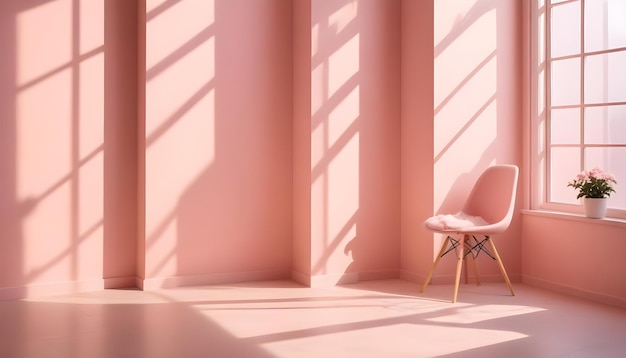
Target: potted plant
<point>595,187</point>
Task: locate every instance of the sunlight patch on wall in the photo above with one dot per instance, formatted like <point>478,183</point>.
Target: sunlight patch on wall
<point>36,57</point>
<point>44,135</point>
<point>161,40</point>
<point>162,251</point>
<point>329,76</point>
<point>343,17</point>
<point>172,93</point>
<point>91,105</point>
<point>59,138</point>
<point>466,48</point>
<point>335,200</point>
<point>91,24</point>
<point>449,15</point>
<point>343,193</point>
<point>179,157</point>
<point>335,145</point>
<point>180,117</point>
<point>469,42</point>
<point>472,100</point>
<point>47,234</point>
<point>465,95</point>
<point>318,214</point>
<point>337,22</point>
<point>318,90</point>
<point>86,247</point>
<point>315,39</point>
<point>152,5</point>
<point>343,64</point>
<point>343,116</point>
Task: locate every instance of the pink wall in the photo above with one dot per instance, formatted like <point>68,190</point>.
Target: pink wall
<point>261,139</point>
<point>346,148</point>
<point>120,143</point>
<point>301,236</point>
<point>375,249</point>
<point>52,163</point>
<point>578,256</point>
<point>217,141</point>
<point>417,137</point>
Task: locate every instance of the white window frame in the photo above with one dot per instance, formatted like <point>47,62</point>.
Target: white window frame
<point>538,135</point>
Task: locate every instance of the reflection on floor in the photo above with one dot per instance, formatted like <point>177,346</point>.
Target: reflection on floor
<point>388,318</point>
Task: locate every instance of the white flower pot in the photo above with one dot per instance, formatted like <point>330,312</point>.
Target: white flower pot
<point>595,208</point>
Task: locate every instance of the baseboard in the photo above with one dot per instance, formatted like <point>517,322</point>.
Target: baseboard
<point>575,291</point>
<point>342,278</point>
<point>334,279</point>
<point>378,275</point>
<point>150,284</point>
<point>301,278</point>
<point>325,280</point>
<point>412,276</point>
<point>51,289</point>
<point>121,282</point>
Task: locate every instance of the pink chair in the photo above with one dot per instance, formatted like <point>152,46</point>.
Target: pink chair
<point>488,211</point>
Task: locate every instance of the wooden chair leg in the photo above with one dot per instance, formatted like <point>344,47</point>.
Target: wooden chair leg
<point>475,269</point>
<point>459,265</point>
<point>506,277</point>
<point>468,252</point>
<point>444,246</point>
<point>465,273</point>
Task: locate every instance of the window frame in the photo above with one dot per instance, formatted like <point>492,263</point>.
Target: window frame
<point>539,106</point>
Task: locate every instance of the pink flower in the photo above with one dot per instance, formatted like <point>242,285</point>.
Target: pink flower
<point>596,173</point>
<point>594,183</point>
<point>582,176</point>
<point>609,177</point>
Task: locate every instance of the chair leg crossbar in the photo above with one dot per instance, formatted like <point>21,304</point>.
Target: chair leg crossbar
<point>472,248</point>
<point>480,246</point>
<point>468,248</point>
<point>453,245</point>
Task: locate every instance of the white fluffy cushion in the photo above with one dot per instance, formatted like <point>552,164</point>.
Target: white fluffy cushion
<point>452,222</point>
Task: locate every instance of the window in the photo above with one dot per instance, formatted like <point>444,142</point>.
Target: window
<point>580,97</point>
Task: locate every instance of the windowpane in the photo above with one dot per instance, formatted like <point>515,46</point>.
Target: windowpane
<point>565,126</point>
<point>605,25</point>
<point>606,125</point>
<point>605,78</point>
<point>565,82</point>
<point>564,165</point>
<point>582,122</point>
<point>565,30</point>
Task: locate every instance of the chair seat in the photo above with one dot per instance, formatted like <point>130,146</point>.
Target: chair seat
<point>452,222</point>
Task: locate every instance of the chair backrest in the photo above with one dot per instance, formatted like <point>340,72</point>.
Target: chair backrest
<point>493,196</point>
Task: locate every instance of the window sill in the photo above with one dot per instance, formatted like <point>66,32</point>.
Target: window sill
<point>575,217</point>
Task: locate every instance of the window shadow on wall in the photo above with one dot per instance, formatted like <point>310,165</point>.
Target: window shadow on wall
<point>477,100</point>
<point>474,84</point>
<point>355,140</point>
<point>52,142</point>
<point>218,147</point>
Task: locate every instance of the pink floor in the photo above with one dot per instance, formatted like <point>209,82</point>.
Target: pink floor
<point>283,319</point>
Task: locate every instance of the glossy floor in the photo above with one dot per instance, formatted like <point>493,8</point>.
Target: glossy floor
<point>386,318</point>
